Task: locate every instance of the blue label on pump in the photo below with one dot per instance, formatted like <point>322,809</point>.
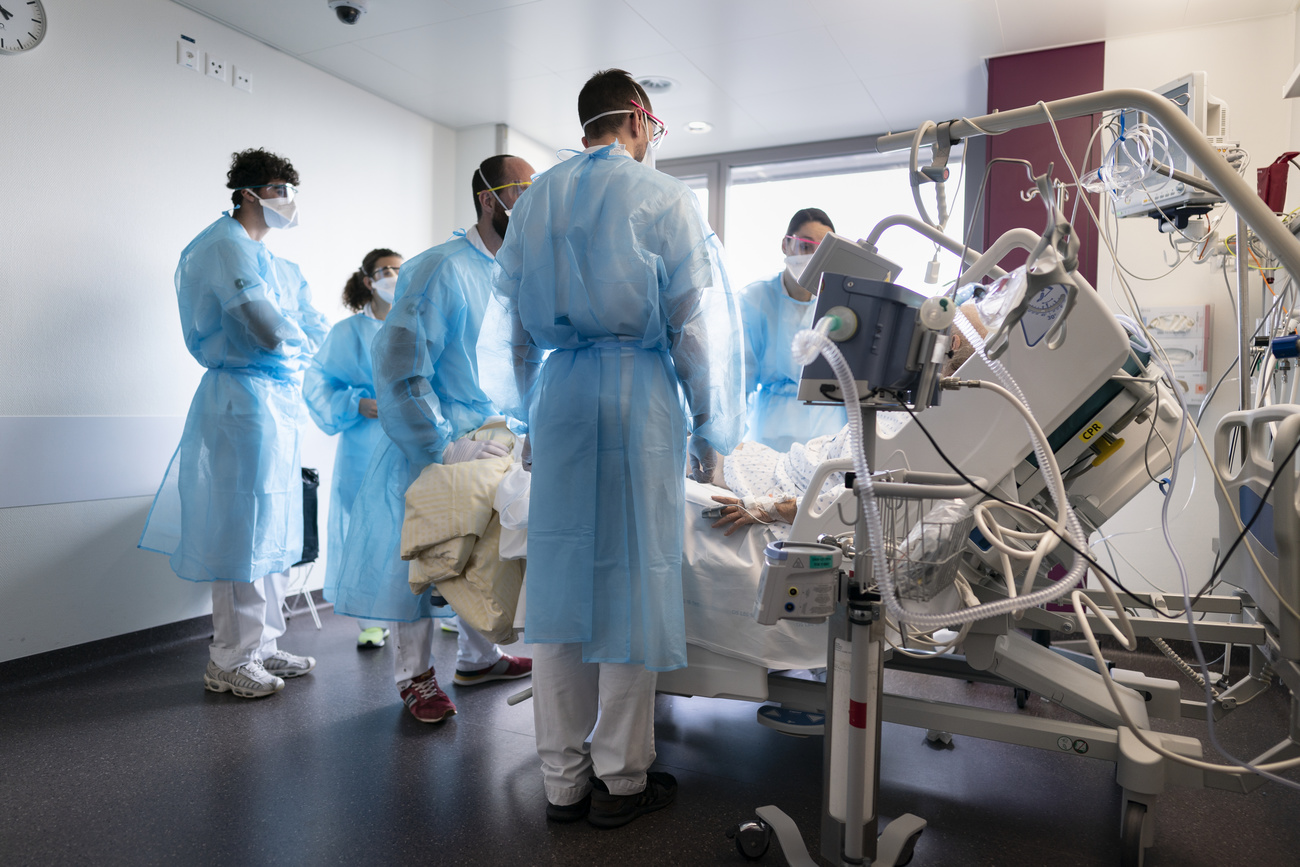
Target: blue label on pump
<point>1044,309</point>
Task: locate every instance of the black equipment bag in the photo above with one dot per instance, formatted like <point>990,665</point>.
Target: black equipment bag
<point>310,531</point>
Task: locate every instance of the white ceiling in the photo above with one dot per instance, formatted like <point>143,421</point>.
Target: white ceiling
<point>763,72</point>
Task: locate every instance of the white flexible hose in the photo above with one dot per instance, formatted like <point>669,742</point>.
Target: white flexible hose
<point>1051,472</point>
<point>806,346</point>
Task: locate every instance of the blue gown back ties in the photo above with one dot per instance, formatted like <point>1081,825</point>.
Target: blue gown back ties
<point>776,417</point>
<point>610,267</point>
<point>341,375</point>
<point>230,505</point>
<point>426,382</point>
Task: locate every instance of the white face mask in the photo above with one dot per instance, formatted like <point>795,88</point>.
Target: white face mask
<point>280,213</point>
<point>385,287</point>
<point>796,264</point>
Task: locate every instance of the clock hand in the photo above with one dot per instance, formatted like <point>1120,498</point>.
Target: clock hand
<point>6,13</point>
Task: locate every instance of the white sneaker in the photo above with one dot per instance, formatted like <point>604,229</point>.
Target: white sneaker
<point>285,664</point>
<point>247,681</point>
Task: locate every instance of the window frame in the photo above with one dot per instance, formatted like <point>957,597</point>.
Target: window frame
<point>718,169</point>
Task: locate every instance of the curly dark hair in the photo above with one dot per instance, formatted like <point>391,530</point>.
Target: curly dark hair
<point>256,166</point>
<point>608,90</point>
<point>356,294</point>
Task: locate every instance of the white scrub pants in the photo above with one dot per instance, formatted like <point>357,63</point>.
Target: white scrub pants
<point>415,649</point>
<point>247,618</point>
<point>613,702</point>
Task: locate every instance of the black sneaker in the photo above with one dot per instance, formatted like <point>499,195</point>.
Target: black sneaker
<point>615,811</point>
<point>568,812</point>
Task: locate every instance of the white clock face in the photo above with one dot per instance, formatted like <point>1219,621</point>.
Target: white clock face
<point>22,25</point>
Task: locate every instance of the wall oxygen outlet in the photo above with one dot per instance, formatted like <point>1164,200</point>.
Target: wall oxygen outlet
<point>217,68</point>
<point>188,55</point>
<point>243,79</point>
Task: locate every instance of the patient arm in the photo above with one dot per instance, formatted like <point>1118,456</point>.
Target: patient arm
<point>735,515</point>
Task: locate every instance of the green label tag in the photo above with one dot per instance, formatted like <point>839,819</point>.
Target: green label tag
<point>821,561</point>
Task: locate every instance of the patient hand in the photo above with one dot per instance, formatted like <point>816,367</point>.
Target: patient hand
<point>735,515</point>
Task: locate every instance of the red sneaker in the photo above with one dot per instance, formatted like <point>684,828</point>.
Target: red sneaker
<point>426,701</point>
<point>506,668</point>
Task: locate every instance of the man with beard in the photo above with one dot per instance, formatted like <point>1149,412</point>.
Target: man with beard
<point>427,385</point>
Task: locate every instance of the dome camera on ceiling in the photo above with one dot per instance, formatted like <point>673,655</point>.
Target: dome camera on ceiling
<point>349,11</point>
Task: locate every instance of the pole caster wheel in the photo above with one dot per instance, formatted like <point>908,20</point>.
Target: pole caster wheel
<point>752,838</point>
<point>1132,851</point>
<point>1022,697</point>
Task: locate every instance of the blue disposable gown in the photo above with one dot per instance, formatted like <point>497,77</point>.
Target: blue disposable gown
<point>776,417</point>
<point>426,379</point>
<point>339,377</point>
<point>609,265</point>
<point>230,506</point>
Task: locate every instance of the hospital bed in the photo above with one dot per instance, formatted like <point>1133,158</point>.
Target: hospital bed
<point>1107,425</point>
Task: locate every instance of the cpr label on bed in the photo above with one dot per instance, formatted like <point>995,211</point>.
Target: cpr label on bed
<point>1091,431</point>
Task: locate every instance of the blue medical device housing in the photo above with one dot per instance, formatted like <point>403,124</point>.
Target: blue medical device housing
<point>882,353</point>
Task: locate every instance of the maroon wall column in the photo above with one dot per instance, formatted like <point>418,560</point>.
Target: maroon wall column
<point>1023,79</point>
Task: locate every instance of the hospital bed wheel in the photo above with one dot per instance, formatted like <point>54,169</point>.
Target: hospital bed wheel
<point>1022,697</point>
<point>752,838</point>
<point>1132,853</point>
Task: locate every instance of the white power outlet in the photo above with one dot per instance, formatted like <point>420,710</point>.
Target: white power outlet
<point>243,79</point>
<point>216,68</point>
<point>188,55</point>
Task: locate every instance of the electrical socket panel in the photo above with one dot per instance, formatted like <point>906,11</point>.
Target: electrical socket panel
<point>188,55</point>
<point>243,79</point>
<point>217,69</point>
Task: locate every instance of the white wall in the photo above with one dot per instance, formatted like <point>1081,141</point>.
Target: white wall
<point>1247,63</point>
<point>115,158</point>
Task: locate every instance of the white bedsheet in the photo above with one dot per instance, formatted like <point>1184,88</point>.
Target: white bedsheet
<point>719,585</point>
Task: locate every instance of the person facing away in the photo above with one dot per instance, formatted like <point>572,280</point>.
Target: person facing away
<point>774,310</point>
<point>229,510</point>
<point>426,380</point>
<point>610,267</point>
<point>339,387</point>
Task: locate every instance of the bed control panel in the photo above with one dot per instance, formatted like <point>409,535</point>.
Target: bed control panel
<point>800,582</point>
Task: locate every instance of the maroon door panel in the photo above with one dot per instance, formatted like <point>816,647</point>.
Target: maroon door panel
<point>1023,79</point>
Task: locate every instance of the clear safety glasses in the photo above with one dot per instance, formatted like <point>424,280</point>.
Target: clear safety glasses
<point>800,246</point>
<point>522,185</point>
<point>385,271</point>
<point>655,127</point>
<point>278,191</point>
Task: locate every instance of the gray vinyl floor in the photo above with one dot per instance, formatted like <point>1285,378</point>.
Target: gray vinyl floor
<point>132,762</point>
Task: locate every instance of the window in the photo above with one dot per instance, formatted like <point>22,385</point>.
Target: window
<point>855,186</point>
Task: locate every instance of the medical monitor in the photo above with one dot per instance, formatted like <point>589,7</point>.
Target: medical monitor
<point>836,254</point>
<point>880,350</point>
<point>1210,116</point>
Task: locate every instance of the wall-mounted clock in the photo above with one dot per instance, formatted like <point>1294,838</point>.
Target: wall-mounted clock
<point>22,25</point>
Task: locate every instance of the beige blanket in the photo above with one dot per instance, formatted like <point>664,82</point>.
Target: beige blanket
<point>452,537</point>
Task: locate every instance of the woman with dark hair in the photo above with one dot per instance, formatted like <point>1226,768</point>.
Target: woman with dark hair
<point>339,388</point>
<point>773,311</point>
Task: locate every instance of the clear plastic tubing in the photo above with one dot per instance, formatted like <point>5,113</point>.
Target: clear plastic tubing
<point>807,344</point>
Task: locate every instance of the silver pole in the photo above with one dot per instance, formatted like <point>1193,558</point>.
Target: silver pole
<point>1216,169</point>
<point>1244,332</point>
